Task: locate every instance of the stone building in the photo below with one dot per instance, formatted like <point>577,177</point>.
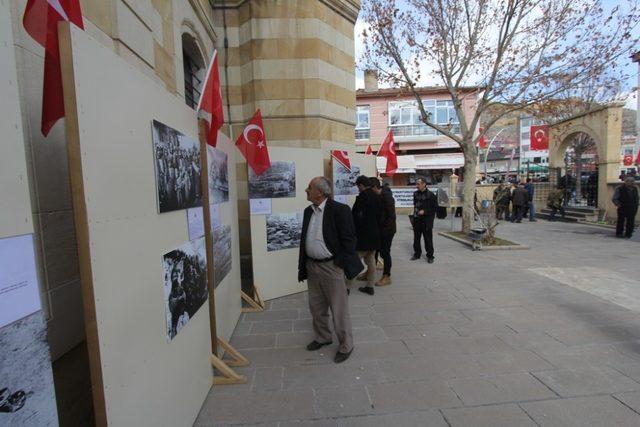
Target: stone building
<point>293,59</point>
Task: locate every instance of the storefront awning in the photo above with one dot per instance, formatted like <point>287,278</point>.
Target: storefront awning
<point>439,161</point>
<point>406,164</point>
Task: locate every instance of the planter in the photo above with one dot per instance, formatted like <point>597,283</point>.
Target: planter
<point>500,245</point>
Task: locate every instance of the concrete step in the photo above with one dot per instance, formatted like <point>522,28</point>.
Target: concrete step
<point>547,215</point>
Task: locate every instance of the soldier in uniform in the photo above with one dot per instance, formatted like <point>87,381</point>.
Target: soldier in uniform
<point>555,202</point>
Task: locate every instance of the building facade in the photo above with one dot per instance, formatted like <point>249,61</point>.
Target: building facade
<point>421,149</point>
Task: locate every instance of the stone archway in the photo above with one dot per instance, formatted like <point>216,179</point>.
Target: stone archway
<point>604,126</point>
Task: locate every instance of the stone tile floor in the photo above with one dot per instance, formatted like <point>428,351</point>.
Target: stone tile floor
<point>475,339</point>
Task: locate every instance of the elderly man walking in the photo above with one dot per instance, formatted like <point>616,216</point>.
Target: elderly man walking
<point>327,255</point>
<point>626,200</point>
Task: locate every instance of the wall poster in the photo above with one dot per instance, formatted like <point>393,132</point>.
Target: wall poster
<point>27,394</point>
<point>19,293</point>
<point>277,181</point>
<point>344,181</point>
<point>177,159</point>
<point>283,231</point>
<point>185,284</point>
<point>222,258</point>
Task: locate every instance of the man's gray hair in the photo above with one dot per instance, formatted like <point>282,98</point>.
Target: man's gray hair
<point>323,185</point>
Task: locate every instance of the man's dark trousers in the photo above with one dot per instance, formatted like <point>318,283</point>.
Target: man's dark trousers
<point>385,252</point>
<point>625,215</point>
<point>420,230</point>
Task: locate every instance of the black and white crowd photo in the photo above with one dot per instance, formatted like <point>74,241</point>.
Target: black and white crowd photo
<point>185,284</point>
<point>177,169</point>
<point>283,231</point>
<point>277,181</point>
<point>221,252</point>
<point>344,182</point>
<point>218,165</point>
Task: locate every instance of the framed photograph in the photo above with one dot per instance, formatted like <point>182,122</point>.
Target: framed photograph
<point>221,252</point>
<point>218,166</point>
<point>177,160</point>
<point>344,182</point>
<point>277,181</point>
<point>283,231</point>
<point>185,284</point>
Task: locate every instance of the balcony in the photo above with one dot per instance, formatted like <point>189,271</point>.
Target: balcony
<point>363,134</point>
<point>418,130</point>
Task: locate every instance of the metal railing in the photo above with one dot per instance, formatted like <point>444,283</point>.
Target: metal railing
<point>419,130</point>
<point>363,133</point>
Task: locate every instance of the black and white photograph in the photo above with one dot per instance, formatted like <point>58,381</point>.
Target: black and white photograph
<point>277,181</point>
<point>27,395</point>
<point>221,253</point>
<point>185,284</point>
<point>344,181</point>
<point>283,231</point>
<point>218,165</point>
<point>177,169</point>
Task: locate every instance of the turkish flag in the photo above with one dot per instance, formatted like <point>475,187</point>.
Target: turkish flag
<point>539,137</point>
<point>40,20</point>
<point>482,142</point>
<point>252,143</point>
<point>388,150</point>
<point>342,157</point>
<point>638,159</point>
<point>369,150</point>
<point>210,103</point>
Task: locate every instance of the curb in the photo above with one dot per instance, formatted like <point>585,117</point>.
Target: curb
<point>516,247</point>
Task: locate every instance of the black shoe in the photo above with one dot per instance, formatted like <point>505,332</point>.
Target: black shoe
<point>430,260</point>
<point>341,357</point>
<point>348,291</point>
<point>367,290</point>
<point>415,257</point>
<point>315,345</point>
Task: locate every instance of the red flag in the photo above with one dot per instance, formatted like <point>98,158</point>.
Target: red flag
<point>40,20</point>
<point>638,159</point>
<point>627,160</point>
<point>342,157</point>
<point>252,143</point>
<point>210,103</point>
<point>388,150</point>
<point>482,142</point>
<point>539,137</point>
<point>369,150</point>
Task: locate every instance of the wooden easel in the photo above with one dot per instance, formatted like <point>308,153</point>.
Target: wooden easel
<point>229,376</point>
<point>256,303</point>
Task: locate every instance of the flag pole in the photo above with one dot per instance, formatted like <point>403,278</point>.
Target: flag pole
<point>229,376</point>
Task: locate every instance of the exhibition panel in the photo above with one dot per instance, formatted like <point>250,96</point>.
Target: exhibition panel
<point>135,170</point>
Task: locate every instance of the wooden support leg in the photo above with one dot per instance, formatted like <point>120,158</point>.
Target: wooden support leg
<point>228,376</point>
<point>234,357</point>
<point>253,304</point>
<point>259,300</point>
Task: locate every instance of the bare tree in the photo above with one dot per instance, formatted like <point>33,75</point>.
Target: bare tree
<point>517,52</point>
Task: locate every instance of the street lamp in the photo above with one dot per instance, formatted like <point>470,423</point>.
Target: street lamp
<point>486,154</point>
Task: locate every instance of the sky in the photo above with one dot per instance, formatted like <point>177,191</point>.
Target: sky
<point>631,92</point>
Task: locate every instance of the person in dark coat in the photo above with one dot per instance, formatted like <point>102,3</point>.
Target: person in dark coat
<point>520,200</point>
<point>626,200</point>
<point>367,218</point>
<point>531,206</point>
<point>425,205</point>
<point>327,256</point>
<point>387,229</point>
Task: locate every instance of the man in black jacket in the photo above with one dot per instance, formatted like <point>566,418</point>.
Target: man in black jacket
<point>367,218</point>
<point>626,199</point>
<point>425,205</point>
<point>387,228</point>
<point>327,255</point>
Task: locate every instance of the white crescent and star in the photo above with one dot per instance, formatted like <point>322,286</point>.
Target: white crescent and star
<point>540,134</point>
<point>248,129</point>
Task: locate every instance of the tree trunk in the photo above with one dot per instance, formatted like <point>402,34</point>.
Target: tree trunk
<point>469,189</point>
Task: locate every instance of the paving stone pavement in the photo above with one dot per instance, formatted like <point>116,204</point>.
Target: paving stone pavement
<point>475,339</point>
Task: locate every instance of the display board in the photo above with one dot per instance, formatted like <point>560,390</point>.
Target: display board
<point>139,377</point>
<point>27,395</point>
<point>275,234</point>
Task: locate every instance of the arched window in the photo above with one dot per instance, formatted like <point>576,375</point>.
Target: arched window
<point>194,70</point>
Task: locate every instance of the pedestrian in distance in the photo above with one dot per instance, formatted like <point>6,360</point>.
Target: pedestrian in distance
<point>625,198</point>
<point>327,256</point>
<point>367,218</point>
<point>425,204</point>
<point>555,202</point>
<point>532,207</point>
<point>387,229</point>
<point>520,201</point>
